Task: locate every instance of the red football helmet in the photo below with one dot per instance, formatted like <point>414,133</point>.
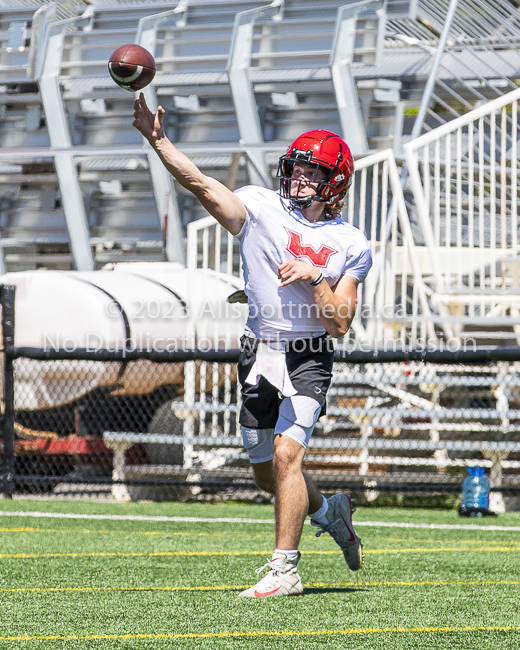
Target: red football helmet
<point>328,151</point>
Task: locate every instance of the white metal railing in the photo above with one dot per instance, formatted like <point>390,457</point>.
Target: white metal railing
<point>394,296</point>
<point>464,177</point>
<point>210,246</point>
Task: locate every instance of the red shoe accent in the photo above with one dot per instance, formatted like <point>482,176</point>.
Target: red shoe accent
<point>352,534</point>
<point>267,593</point>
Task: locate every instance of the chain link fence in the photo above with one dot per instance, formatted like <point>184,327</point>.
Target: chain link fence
<point>401,427</point>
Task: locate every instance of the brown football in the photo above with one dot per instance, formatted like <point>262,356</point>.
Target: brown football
<point>131,67</point>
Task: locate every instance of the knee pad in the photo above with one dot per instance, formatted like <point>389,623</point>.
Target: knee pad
<point>259,444</point>
<point>297,417</point>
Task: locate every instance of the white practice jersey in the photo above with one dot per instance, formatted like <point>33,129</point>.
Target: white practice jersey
<point>273,233</point>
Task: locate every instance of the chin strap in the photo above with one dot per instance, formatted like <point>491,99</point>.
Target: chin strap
<point>300,203</point>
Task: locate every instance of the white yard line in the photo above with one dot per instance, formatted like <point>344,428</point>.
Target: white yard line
<point>236,520</point>
<point>74,515</point>
<point>391,524</point>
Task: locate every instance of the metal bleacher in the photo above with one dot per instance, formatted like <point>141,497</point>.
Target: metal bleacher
<point>27,196</point>
<point>104,200</point>
<point>238,80</point>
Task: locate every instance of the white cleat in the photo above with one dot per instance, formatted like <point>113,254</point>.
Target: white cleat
<point>282,579</point>
<point>340,528</point>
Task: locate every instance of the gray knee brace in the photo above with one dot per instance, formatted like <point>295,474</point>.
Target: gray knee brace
<point>259,444</point>
<point>297,417</point>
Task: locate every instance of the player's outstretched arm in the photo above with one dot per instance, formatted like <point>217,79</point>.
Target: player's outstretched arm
<point>218,200</point>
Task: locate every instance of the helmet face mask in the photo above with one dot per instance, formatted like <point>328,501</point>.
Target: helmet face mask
<point>298,184</point>
<point>328,152</point>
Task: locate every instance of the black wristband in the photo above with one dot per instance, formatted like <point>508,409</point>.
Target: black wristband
<point>318,280</point>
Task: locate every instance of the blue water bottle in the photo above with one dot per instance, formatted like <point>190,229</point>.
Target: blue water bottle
<point>475,492</point>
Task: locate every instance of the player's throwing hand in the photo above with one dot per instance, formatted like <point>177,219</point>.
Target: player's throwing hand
<point>150,125</point>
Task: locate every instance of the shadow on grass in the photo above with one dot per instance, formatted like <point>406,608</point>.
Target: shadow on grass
<point>331,590</point>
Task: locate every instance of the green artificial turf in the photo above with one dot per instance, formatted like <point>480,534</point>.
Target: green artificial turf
<point>129,582</point>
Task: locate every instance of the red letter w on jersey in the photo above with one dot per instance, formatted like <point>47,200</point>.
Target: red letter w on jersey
<point>318,257</point>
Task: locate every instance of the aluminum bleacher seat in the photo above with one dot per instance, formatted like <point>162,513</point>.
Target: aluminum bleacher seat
<point>15,34</point>
<point>192,51</point>
<point>32,223</point>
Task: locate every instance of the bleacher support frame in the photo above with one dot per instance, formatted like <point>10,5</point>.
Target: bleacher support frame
<point>341,58</point>
<point>164,187</point>
<point>48,78</point>
<point>246,109</point>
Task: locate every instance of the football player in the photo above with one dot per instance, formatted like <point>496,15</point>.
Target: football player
<point>302,265</point>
